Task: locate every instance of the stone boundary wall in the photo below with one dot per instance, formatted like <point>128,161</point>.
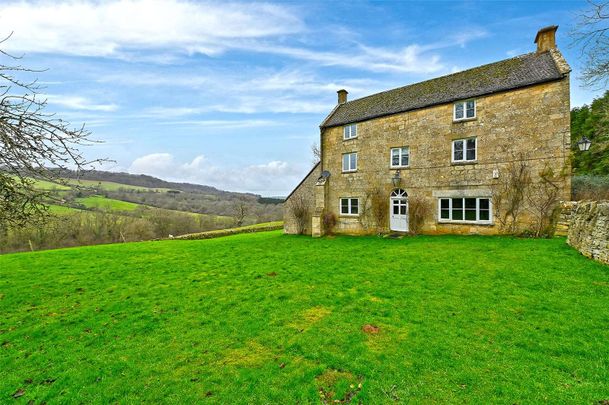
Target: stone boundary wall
<point>564,219</point>
<point>589,229</point>
<point>227,232</point>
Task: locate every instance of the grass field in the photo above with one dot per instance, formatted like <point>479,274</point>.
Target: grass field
<point>270,318</point>
<point>103,203</point>
<point>62,210</point>
<point>111,186</point>
<point>47,185</point>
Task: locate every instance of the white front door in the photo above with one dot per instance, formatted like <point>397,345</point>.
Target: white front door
<point>398,214</point>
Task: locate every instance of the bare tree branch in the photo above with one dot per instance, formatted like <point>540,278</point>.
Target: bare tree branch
<point>34,144</point>
<point>592,34</point>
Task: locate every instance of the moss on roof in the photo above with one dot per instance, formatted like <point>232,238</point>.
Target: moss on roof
<point>520,71</point>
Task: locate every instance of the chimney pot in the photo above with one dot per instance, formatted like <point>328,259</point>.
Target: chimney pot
<point>546,38</point>
<point>342,96</point>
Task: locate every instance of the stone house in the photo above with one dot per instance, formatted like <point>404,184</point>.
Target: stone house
<point>436,152</point>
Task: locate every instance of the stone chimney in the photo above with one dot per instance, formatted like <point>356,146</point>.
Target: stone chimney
<point>342,96</point>
<point>546,38</point>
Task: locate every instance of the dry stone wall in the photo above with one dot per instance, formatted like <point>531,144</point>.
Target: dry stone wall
<point>564,220</point>
<point>589,230</point>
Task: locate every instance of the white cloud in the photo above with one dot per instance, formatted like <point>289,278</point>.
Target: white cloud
<point>78,103</point>
<point>410,59</point>
<point>222,124</point>
<point>283,91</point>
<point>114,27</point>
<point>272,178</point>
<point>154,164</point>
<point>130,29</point>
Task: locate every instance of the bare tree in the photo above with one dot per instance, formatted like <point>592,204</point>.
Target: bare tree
<point>240,210</point>
<point>316,151</point>
<point>592,34</point>
<point>379,207</point>
<point>543,198</point>
<point>300,209</point>
<point>419,209</point>
<point>508,194</point>
<point>33,144</point>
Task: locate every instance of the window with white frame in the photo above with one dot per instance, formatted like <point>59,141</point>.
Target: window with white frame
<point>349,206</point>
<point>350,131</point>
<point>464,150</point>
<point>400,156</point>
<point>350,162</point>
<point>475,209</point>
<point>464,110</point>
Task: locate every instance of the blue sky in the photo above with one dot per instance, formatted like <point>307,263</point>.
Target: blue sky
<point>231,94</point>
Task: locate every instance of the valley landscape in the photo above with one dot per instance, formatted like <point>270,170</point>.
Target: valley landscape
<point>106,207</point>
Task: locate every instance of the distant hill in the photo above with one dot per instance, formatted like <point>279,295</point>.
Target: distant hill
<point>142,180</point>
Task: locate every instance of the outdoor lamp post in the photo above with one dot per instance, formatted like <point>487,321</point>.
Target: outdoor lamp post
<point>396,179</point>
<point>584,144</point>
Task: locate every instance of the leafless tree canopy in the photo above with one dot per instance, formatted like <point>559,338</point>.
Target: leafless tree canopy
<point>32,141</point>
<point>592,34</point>
<point>240,210</point>
<point>300,209</point>
<point>508,194</point>
<point>316,151</point>
<point>419,209</point>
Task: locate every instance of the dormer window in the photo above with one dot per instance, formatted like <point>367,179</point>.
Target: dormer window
<point>350,131</point>
<point>464,110</point>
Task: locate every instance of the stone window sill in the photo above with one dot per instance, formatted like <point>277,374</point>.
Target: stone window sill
<point>464,120</point>
<point>478,223</point>
<point>466,162</point>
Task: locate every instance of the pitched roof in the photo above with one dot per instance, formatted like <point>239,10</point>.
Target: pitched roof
<point>521,71</point>
<point>302,181</point>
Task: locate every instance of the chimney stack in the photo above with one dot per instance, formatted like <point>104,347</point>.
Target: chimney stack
<point>546,38</point>
<point>342,96</point>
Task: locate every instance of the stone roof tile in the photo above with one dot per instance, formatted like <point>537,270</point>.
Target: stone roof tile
<point>520,71</point>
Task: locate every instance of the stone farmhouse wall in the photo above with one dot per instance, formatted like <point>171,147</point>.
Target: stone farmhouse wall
<point>531,123</point>
<point>589,230</point>
<point>304,190</point>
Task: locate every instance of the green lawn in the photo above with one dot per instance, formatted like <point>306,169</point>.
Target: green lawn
<point>103,203</point>
<point>269,318</point>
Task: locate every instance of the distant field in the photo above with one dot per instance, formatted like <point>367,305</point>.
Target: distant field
<point>62,210</point>
<point>111,186</point>
<point>269,318</point>
<point>103,203</point>
<point>103,185</point>
<point>48,186</point>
